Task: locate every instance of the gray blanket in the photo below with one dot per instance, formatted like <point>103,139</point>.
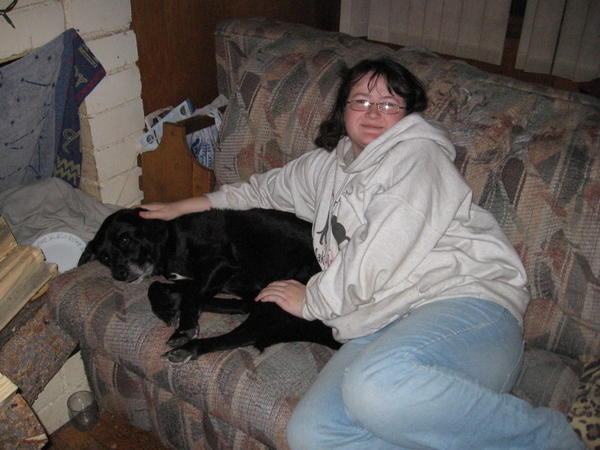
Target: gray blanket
<point>51,205</point>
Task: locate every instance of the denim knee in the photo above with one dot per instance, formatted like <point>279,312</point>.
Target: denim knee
<point>298,430</point>
<point>305,429</point>
<point>401,403</point>
<point>370,394</point>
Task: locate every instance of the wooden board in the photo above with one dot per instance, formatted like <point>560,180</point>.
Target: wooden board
<point>33,348</point>
<point>7,240</point>
<point>7,388</point>
<point>170,172</point>
<point>23,273</point>
<point>19,426</point>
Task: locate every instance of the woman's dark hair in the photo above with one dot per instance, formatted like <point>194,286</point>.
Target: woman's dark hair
<point>399,81</point>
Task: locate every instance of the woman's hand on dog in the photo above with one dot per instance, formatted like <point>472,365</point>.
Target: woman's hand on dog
<point>169,211</point>
<point>288,294</point>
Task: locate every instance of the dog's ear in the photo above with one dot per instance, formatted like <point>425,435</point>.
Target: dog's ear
<point>88,254</point>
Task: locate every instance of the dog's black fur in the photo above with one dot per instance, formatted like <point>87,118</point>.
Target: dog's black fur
<point>203,254</point>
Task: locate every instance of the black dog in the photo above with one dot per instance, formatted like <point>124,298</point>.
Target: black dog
<point>204,254</point>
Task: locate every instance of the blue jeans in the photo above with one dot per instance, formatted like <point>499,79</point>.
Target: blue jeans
<point>436,379</point>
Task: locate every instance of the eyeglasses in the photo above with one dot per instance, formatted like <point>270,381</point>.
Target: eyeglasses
<point>382,107</point>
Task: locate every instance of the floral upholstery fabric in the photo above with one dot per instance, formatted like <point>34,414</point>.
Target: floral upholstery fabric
<point>530,154</point>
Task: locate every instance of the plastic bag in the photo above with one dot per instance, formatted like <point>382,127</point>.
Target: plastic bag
<point>154,123</point>
<point>202,143</point>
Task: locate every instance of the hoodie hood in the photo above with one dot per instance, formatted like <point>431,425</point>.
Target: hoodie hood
<point>413,126</point>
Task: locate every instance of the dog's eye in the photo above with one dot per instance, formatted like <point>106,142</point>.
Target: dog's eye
<point>124,240</point>
<point>104,258</point>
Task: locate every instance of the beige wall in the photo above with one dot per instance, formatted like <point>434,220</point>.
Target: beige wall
<point>112,115</point>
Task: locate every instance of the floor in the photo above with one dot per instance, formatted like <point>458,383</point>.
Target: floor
<point>110,433</point>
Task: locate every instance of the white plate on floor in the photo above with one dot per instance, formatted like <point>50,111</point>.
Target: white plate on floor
<point>61,248</point>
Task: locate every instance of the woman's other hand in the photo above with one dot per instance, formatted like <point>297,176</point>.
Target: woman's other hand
<point>288,294</point>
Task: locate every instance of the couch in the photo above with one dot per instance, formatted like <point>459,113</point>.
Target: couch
<point>530,153</point>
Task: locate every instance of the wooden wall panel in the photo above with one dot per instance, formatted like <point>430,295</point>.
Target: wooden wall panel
<point>176,60</point>
<point>176,46</point>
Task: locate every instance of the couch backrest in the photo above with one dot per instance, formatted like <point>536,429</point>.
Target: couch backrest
<point>531,154</point>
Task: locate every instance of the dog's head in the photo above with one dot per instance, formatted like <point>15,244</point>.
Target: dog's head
<point>127,244</point>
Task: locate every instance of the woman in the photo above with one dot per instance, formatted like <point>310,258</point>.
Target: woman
<point>420,284</point>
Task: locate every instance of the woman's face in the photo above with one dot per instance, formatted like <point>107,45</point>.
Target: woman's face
<point>362,127</point>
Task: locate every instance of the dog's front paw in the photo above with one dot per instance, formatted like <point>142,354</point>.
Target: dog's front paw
<point>181,337</point>
<point>180,355</point>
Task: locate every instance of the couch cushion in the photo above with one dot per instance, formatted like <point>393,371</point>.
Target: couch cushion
<point>547,379</point>
<point>531,154</point>
<point>253,391</point>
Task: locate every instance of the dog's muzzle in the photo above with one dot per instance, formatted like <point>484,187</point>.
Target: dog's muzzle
<point>132,273</point>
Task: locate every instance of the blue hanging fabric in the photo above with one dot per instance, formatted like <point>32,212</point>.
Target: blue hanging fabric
<point>40,95</point>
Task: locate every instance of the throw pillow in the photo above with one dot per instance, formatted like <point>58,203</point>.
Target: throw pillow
<point>584,415</point>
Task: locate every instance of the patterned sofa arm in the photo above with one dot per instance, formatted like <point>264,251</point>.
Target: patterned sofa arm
<point>241,396</point>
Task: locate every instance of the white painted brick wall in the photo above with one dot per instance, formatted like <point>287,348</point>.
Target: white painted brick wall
<point>122,189</point>
<point>35,25</point>
<point>116,158</point>
<point>111,121</point>
<point>115,124</point>
<point>93,17</point>
<point>116,88</point>
<point>115,51</point>
<point>113,113</point>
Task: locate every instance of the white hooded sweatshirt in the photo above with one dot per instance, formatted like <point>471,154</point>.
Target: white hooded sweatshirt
<point>393,229</point>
